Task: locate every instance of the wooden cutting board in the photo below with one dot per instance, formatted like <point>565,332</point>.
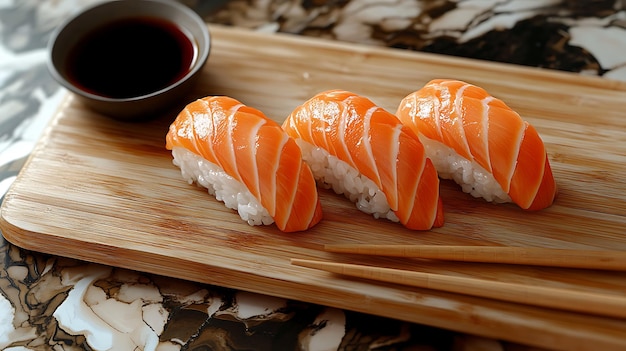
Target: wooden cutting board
<point>107,192</point>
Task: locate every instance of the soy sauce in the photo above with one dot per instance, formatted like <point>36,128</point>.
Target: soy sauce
<point>131,57</point>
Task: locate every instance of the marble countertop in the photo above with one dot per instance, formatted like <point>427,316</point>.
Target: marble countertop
<point>56,303</point>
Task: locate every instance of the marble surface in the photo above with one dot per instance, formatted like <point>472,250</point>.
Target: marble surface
<point>55,303</point>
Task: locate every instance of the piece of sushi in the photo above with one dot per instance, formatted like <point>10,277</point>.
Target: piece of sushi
<point>247,161</point>
<point>480,143</point>
<point>362,151</point>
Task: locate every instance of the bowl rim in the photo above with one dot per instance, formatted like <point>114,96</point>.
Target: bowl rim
<point>203,43</point>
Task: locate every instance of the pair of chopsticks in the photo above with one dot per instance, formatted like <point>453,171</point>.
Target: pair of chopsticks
<point>566,299</point>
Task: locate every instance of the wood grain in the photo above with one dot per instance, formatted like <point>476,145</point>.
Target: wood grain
<point>535,256</point>
<point>107,192</point>
<point>566,299</point>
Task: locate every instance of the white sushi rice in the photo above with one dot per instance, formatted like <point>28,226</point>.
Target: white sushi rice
<point>472,177</point>
<point>332,173</point>
<point>234,194</point>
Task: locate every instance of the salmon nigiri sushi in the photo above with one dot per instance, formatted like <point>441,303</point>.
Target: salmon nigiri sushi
<point>480,143</point>
<point>362,151</point>
<point>247,161</point>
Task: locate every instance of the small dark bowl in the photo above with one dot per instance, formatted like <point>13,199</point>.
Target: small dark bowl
<point>147,104</point>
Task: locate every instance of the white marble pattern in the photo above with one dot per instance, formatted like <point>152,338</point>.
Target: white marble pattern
<point>603,43</point>
<point>330,336</point>
<point>361,21</point>
<point>76,317</point>
<point>7,313</point>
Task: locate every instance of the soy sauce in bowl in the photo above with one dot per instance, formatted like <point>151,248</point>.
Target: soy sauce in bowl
<point>131,60</point>
<point>130,57</point>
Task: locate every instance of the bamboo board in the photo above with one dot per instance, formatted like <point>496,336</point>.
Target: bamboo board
<point>107,192</point>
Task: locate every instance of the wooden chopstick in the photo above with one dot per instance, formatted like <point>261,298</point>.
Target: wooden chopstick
<point>577,301</point>
<point>589,259</point>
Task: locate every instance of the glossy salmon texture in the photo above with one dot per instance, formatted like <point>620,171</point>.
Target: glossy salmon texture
<point>484,129</point>
<point>254,150</point>
<point>373,141</point>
